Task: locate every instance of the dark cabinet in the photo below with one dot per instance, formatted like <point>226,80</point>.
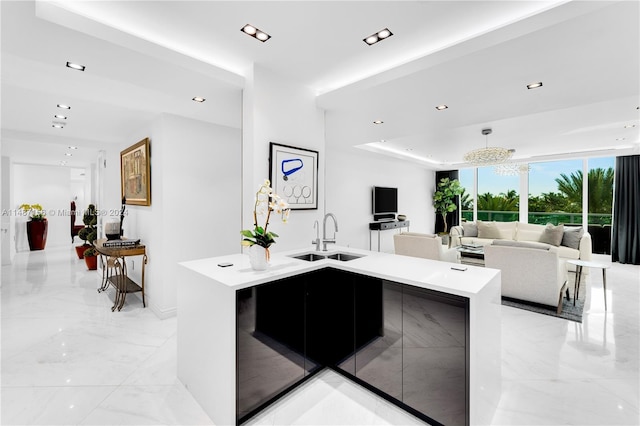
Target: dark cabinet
<point>435,371</point>
<point>378,359</point>
<point>329,317</point>
<point>406,343</point>
<point>270,342</point>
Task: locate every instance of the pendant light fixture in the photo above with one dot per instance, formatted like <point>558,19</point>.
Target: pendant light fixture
<point>489,155</point>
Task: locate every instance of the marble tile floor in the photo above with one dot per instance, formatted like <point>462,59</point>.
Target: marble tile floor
<point>67,359</point>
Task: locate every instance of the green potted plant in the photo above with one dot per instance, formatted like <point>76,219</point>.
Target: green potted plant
<point>37,226</point>
<point>89,234</point>
<point>444,199</point>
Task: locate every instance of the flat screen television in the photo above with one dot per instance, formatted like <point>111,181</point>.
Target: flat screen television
<point>385,201</point>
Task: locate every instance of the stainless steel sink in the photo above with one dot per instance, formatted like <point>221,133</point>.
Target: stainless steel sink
<point>344,256</point>
<point>310,257</point>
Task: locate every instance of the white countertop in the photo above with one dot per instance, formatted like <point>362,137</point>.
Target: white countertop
<point>418,272</point>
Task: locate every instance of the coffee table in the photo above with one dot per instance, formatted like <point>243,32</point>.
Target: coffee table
<point>589,264</point>
<point>471,255</point>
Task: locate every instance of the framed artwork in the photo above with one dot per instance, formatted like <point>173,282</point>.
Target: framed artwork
<point>294,175</point>
<point>135,174</point>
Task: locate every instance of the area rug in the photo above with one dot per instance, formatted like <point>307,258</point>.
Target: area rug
<point>569,312</point>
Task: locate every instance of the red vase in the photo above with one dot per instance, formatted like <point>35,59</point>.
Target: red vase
<point>37,234</point>
<point>92,262</point>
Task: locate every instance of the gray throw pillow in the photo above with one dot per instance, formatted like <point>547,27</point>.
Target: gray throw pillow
<point>552,234</point>
<point>470,229</point>
<point>488,230</point>
<point>572,236</point>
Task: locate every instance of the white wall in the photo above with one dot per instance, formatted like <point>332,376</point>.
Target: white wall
<point>275,109</point>
<point>8,217</point>
<point>195,201</point>
<point>350,175</point>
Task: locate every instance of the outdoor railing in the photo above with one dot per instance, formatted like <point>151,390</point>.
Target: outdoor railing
<point>541,218</point>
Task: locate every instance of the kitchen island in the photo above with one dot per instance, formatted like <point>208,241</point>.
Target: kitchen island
<point>422,335</point>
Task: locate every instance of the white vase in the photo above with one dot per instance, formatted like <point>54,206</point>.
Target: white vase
<point>258,257</point>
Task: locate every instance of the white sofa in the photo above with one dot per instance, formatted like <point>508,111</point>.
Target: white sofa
<point>426,246</point>
<point>530,271</point>
<point>472,233</point>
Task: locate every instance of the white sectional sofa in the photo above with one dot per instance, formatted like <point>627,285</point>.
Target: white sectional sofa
<point>571,242</point>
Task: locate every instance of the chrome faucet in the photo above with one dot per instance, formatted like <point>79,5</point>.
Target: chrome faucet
<point>316,226</point>
<point>326,240</point>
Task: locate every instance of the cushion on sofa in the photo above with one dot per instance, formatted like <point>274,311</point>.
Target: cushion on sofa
<point>552,234</point>
<point>418,234</point>
<point>568,252</point>
<point>488,230</point>
<point>572,236</point>
<point>470,229</point>
<point>523,244</point>
<point>529,232</point>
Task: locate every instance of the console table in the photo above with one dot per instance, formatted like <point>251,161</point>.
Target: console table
<point>114,271</point>
<point>385,226</point>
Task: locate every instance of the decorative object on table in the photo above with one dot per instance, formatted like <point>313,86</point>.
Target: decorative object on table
<point>124,202</point>
<point>259,239</point>
<point>294,174</point>
<point>402,217</point>
<point>112,229</point>
<point>37,226</point>
<point>489,155</point>
<point>89,234</point>
<point>444,200</point>
<point>135,174</point>
<point>74,228</point>
<point>121,243</point>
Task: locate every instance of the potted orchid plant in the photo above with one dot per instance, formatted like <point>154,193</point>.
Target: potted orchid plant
<point>259,239</point>
<point>37,226</point>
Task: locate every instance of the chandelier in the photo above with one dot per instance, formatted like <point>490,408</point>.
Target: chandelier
<point>489,155</point>
<point>511,169</point>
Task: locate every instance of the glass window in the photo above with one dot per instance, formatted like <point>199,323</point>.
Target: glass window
<point>600,184</point>
<point>498,197</point>
<point>555,192</point>
<point>465,176</point>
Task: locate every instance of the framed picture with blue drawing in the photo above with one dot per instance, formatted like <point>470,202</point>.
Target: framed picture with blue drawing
<point>294,175</point>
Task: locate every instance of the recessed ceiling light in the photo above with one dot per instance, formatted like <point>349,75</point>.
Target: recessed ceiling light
<point>621,139</point>
<point>198,99</point>
<point>378,122</point>
<point>73,147</point>
<point>62,117</point>
<point>62,163</point>
<point>534,85</point>
<point>255,33</point>
<point>63,106</point>
<point>379,36</point>
<point>68,154</point>
<point>75,66</point>
<point>57,126</point>
<point>629,126</point>
<point>441,107</point>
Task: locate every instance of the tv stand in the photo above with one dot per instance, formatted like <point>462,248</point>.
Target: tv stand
<point>385,226</point>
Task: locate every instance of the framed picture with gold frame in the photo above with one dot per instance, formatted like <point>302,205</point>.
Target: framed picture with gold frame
<point>135,174</point>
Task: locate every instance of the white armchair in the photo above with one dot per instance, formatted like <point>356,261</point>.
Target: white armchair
<point>529,271</point>
<point>426,246</point>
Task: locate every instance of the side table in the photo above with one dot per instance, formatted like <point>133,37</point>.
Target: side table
<point>114,258</point>
<point>589,264</point>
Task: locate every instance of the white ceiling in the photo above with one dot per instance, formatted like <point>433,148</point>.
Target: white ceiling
<point>144,58</point>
